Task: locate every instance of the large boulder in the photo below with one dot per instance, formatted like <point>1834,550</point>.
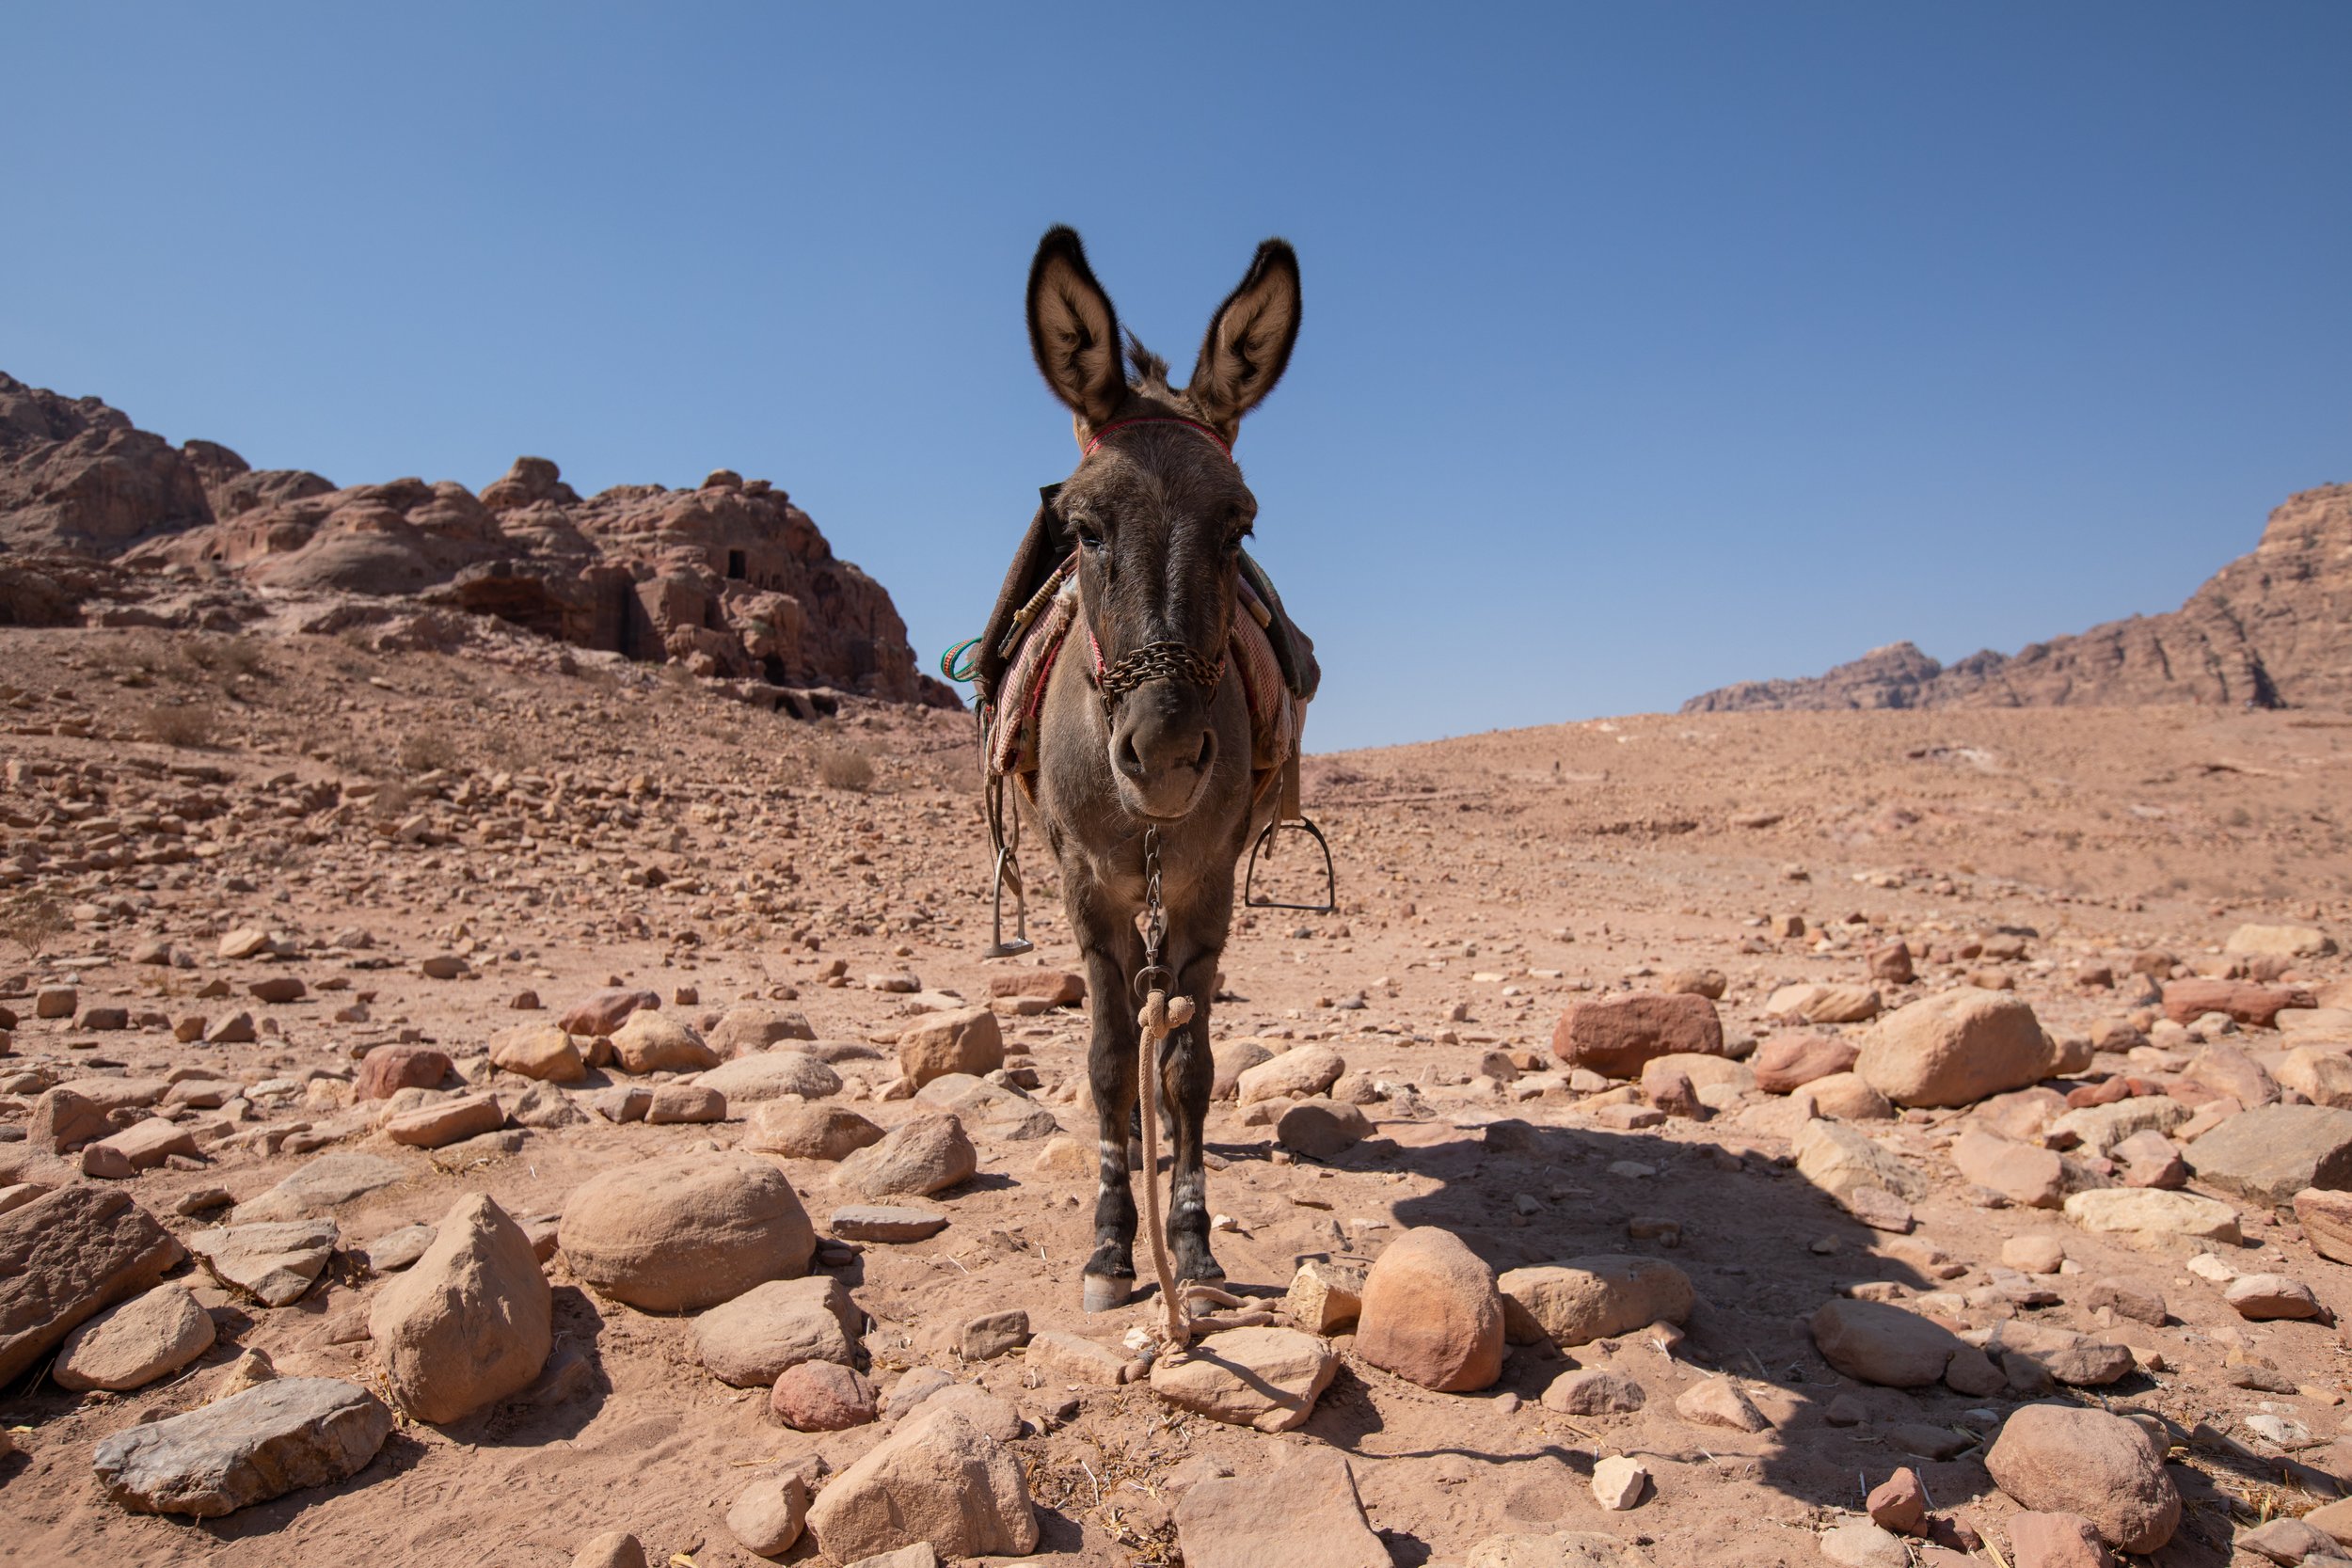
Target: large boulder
<point>271,1439</point>
<point>2268,1153</point>
<point>470,1322</point>
<point>1432,1314</point>
<point>540,1050</point>
<point>751,1340</point>
<point>938,1478</point>
<point>914,1159</point>
<point>147,1337</point>
<point>1298,1074</point>
<point>1619,1037</point>
<point>648,1041</point>
<point>749,1027</point>
<point>687,1232</point>
<point>968,1039</point>
<point>2153,1216</point>
<point>2067,1459</point>
<point>1957,1048</point>
<point>1592,1298</point>
<point>68,1256</point>
<point>1873,1341</point>
<point>386,1070</point>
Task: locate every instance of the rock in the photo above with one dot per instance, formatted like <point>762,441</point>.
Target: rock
<point>2268,1153</point>
<point>1056,988</point>
<point>1955,1048</point>
<point>1846,1097</point>
<point>751,1340</point>
<point>1841,1160</point>
<point>447,1121</point>
<point>1265,1378</point>
<point>386,1070</point>
<point>2077,1360</point>
<point>2152,1214</point>
<point>2291,1542</point>
<point>772,1075</point>
<point>1431,1313</point>
<point>984,1410</point>
<point>767,1517</point>
<point>274,1263</point>
<point>649,1041</point>
<point>320,1187</point>
<point>470,1323</point>
<point>1592,1298</point>
<point>750,1027</point>
<point>397,1249</point>
<point>821,1395</point>
<point>63,1119</point>
<point>1821,1003</point>
<point>915,1159</point>
<point>540,1050</point>
<point>147,1337</point>
<point>1618,1483</point>
<point>1232,1058</point>
<point>1298,1074</point>
<point>2022,1173</point>
<point>2101,1128</point>
<point>673,1104</point>
<point>2125,1301</point>
<point>2055,1540</point>
<point>1567,1549</point>
<point>1873,1341</point>
<point>1863,1544</point>
<point>2066,1459</point>
<point>879,1222</point>
<point>2261,1297</point>
<point>142,1146</point>
<point>1322,1129</point>
<point>2186,1001</point>
<point>246,941</point>
<point>1064,1357</point>
<point>992,1334</point>
<point>2281,942</point>
<point>1594,1391</point>
<point>967,1041</point>
<point>2034,1252</point>
<point>2227,1071</point>
<point>2326,1221</point>
<point>2322,1076</point>
<point>1898,1503</point>
<point>1718,1401</point>
<point>269,1440</point>
<point>1323,1297</point>
<point>1670,1090</point>
<point>1303,1515</point>
<point>799,1131</point>
<point>614,1548</point>
<point>606,1011</point>
<point>1619,1037</point>
<point>686,1232</point>
<point>938,1478</point>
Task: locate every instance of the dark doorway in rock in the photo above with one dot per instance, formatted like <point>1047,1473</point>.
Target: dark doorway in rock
<point>736,565</point>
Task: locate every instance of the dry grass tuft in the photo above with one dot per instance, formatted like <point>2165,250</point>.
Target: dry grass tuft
<point>33,922</point>
<point>185,724</point>
<point>845,767</point>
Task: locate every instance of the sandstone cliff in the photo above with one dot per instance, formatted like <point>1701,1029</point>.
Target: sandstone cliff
<point>2270,629</point>
<point>102,521</point>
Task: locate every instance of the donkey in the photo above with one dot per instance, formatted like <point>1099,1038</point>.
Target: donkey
<point>1144,726</point>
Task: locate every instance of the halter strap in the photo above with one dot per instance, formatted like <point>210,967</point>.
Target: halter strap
<point>1222,444</point>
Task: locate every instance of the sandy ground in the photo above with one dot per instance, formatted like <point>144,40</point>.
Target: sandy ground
<point>663,838</point>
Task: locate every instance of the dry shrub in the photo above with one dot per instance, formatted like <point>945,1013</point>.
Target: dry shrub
<point>182,725</point>
<point>845,767</point>
<point>33,922</point>
<point>422,752</point>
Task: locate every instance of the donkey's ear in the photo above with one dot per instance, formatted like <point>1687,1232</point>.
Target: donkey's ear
<point>1072,329</point>
<point>1250,340</point>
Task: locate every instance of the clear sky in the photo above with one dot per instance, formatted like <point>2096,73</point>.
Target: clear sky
<point>1648,347</point>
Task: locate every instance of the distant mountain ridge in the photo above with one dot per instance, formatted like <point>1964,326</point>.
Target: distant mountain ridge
<point>2271,629</point>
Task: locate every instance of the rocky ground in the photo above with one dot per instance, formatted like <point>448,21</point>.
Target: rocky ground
<point>1692,1137</point>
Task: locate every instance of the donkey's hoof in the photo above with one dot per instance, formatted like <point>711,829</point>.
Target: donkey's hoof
<point>1103,1292</point>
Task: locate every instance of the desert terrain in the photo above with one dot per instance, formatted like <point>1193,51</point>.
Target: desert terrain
<point>257,864</point>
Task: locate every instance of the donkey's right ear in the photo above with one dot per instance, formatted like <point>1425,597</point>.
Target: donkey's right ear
<point>1072,329</point>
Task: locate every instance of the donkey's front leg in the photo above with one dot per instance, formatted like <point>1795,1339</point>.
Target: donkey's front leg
<point>1188,1071</point>
<point>1113,952</point>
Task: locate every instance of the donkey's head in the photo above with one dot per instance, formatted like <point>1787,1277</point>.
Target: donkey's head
<point>1156,506</point>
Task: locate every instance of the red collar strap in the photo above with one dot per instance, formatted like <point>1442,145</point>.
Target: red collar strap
<point>1222,444</point>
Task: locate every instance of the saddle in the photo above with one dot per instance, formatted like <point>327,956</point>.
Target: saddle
<point>1031,623</point>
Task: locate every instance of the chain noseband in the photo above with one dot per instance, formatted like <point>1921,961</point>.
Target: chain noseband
<point>1153,661</point>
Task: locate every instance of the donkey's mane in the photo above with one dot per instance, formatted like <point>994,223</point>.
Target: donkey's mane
<point>1151,370</point>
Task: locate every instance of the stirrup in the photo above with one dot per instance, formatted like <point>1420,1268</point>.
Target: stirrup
<point>1266,845</point>
<point>999,947</point>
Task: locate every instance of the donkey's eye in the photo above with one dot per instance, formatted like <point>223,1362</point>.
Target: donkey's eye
<point>1089,535</point>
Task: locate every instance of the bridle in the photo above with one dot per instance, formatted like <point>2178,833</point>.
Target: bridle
<point>1166,661</point>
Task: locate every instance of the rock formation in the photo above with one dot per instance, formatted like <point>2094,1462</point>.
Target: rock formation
<point>2270,629</point>
<point>105,523</point>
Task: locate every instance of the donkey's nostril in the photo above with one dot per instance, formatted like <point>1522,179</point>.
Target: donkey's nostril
<point>1208,750</point>
<point>1128,760</point>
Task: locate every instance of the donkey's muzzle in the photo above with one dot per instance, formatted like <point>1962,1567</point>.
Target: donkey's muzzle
<point>1163,757</point>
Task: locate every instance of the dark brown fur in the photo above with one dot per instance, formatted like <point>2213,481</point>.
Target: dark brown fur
<point>1159,514</point>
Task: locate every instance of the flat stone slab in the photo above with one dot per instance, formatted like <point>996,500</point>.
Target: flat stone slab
<point>397,1249</point>
<point>1265,1378</point>
<point>883,1222</point>
<point>66,1256</point>
<point>263,1443</point>
<point>323,1185</point>
<point>274,1264</point>
<point>2268,1153</point>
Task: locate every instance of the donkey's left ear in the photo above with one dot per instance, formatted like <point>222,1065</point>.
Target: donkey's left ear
<point>1250,340</point>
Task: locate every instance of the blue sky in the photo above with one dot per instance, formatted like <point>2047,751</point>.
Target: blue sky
<point>1647,347</point>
